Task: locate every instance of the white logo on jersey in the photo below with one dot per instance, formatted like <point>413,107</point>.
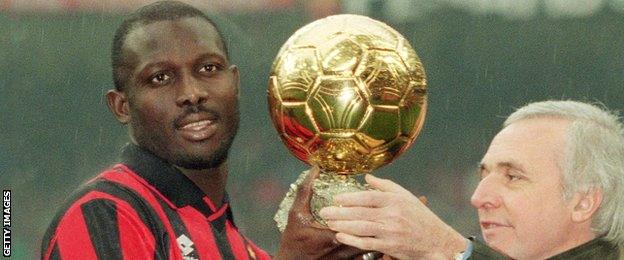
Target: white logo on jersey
<point>186,245</point>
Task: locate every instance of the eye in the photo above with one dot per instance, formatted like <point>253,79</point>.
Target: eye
<point>160,78</point>
<point>481,174</point>
<point>209,68</point>
<point>513,177</point>
<point>481,171</point>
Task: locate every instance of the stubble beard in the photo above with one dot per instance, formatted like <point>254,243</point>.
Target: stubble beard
<point>214,160</point>
<point>155,144</point>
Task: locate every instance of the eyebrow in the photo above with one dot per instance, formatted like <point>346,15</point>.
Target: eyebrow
<point>209,55</point>
<point>155,64</point>
<point>504,164</point>
<point>214,55</point>
<point>511,164</point>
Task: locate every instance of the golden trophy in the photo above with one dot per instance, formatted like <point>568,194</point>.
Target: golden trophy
<point>349,94</point>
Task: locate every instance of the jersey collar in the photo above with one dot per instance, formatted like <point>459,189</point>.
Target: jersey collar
<point>167,179</point>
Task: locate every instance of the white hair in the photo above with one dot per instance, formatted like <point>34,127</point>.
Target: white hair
<point>593,157</point>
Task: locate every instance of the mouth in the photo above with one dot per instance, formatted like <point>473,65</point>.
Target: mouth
<point>197,127</point>
<point>491,225</point>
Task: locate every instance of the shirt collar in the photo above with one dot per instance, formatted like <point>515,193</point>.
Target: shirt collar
<point>166,178</point>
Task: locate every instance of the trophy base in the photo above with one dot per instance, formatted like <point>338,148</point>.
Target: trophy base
<point>323,191</point>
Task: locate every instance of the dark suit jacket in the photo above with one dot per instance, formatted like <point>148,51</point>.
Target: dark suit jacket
<point>599,249</point>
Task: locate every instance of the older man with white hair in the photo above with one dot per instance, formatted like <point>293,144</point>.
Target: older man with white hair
<point>552,186</point>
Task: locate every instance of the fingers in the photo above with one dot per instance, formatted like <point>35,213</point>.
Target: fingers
<point>356,227</point>
<point>349,213</point>
<point>365,243</point>
<point>385,185</point>
<point>372,198</point>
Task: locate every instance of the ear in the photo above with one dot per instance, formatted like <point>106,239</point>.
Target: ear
<point>236,78</point>
<point>586,204</point>
<point>118,105</point>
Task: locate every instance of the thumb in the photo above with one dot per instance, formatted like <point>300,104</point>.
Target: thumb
<point>304,190</point>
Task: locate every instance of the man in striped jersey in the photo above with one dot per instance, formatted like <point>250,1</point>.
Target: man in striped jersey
<point>178,94</point>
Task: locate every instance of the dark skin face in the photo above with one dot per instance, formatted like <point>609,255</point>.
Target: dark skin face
<point>181,103</point>
<point>181,97</point>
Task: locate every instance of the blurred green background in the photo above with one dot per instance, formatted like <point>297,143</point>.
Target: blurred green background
<point>482,61</point>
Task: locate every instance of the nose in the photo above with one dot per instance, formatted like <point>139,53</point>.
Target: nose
<point>487,195</point>
<point>190,92</point>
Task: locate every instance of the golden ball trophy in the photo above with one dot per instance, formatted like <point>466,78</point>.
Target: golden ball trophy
<point>349,94</point>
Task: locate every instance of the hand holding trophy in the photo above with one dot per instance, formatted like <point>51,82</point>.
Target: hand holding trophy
<point>349,94</point>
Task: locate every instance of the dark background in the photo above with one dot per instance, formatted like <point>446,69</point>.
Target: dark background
<point>56,131</point>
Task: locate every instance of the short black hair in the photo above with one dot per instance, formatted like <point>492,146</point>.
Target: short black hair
<point>158,11</point>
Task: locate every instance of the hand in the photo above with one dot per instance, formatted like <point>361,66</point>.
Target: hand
<point>303,237</point>
<point>393,221</point>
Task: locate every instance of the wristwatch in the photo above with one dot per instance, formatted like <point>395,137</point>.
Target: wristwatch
<point>464,255</point>
<point>460,256</point>
<point>372,256</point>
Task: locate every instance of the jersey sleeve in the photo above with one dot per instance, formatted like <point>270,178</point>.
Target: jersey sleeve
<point>100,226</point>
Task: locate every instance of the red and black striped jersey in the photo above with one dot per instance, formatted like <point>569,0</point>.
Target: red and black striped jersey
<point>145,208</point>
